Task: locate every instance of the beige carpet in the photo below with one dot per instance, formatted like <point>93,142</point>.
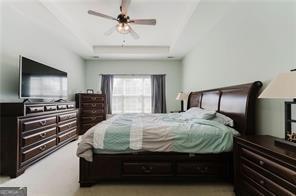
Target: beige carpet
<point>57,175</point>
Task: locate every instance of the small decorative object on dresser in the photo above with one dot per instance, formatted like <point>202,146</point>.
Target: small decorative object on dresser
<point>261,168</point>
<point>31,131</point>
<point>92,110</point>
<point>181,97</point>
<point>284,87</point>
<point>88,91</point>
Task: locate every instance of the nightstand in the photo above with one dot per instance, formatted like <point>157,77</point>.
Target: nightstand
<point>261,168</point>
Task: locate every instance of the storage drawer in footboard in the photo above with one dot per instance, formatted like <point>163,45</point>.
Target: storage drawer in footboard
<point>147,168</point>
<point>199,168</point>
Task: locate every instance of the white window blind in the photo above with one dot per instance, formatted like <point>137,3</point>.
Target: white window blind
<point>131,94</point>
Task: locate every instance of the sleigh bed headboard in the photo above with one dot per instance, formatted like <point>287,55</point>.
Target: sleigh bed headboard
<point>237,102</point>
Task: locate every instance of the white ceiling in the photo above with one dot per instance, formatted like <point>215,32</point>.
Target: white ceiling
<point>173,35</point>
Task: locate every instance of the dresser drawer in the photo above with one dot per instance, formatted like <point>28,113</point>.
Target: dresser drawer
<point>70,106</point>
<point>92,98</point>
<point>92,105</point>
<point>65,117</point>
<point>50,107</point>
<point>269,165</point>
<point>34,109</point>
<point>147,168</point>
<point>93,112</point>
<point>62,107</point>
<point>34,124</point>
<point>67,135</point>
<point>265,182</point>
<point>34,152</point>
<point>87,126</point>
<point>67,126</point>
<point>37,137</point>
<point>93,119</point>
<point>250,188</point>
<point>195,168</point>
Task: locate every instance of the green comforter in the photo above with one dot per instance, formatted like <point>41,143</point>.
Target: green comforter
<point>176,132</point>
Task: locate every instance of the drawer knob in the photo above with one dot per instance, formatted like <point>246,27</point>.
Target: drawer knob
<point>93,105</point>
<point>43,122</point>
<point>43,135</point>
<point>42,147</point>
<point>94,111</point>
<point>93,98</point>
<point>262,182</point>
<point>93,118</point>
<point>147,169</point>
<point>261,162</point>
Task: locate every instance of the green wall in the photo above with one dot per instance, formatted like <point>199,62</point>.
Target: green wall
<point>252,41</point>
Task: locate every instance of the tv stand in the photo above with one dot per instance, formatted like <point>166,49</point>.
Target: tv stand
<point>31,131</point>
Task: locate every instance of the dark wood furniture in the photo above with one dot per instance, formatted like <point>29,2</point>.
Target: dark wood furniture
<point>176,111</point>
<point>237,102</point>
<point>262,168</point>
<point>31,131</point>
<point>92,110</point>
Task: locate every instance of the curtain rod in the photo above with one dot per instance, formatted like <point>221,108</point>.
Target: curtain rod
<point>133,74</point>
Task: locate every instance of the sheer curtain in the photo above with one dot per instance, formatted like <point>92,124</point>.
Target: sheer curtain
<point>131,94</point>
<point>158,93</point>
<point>107,89</point>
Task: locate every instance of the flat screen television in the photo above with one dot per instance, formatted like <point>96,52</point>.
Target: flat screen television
<point>39,81</point>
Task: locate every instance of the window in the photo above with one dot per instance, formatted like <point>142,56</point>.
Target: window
<point>131,94</point>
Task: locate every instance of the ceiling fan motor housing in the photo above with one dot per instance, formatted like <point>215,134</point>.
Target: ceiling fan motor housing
<point>122,18</point>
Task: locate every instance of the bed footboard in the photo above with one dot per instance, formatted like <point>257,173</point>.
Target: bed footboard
<point>156,167</point>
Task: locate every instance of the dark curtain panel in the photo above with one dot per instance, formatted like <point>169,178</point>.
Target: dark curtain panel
<point>158,93</point>
<point>107,89</point>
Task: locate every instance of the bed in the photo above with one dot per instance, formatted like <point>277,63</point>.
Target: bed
<point>237,102</point>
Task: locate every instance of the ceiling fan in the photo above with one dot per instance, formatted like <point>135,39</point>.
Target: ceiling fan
<point>124,20</point>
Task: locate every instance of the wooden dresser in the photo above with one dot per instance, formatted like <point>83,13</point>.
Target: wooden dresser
<point>261,168</point>
<point>31,131</point>
<point>92,110</point>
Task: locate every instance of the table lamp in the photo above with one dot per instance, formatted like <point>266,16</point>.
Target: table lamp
<point>284,87</point>
<point>181,97</point>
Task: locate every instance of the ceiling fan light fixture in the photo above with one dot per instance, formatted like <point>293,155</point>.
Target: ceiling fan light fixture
<point>123,20</point>
<point>123,28</point>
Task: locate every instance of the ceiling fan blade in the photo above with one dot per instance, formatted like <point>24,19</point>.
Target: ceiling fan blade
<point>110,31</point>
<point>143,21</point>
<point>124,5</point>
<point>100,15</point>
<point>133,33</point>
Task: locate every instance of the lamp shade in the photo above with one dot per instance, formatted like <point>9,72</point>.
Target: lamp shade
<point>181,96</point>
<point>282,87</point>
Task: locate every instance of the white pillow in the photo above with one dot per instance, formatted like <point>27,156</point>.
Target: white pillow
<point>225,120</point>
<point>197,112</point>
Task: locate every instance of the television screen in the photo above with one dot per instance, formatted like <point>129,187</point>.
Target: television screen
<point>40,81</point>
